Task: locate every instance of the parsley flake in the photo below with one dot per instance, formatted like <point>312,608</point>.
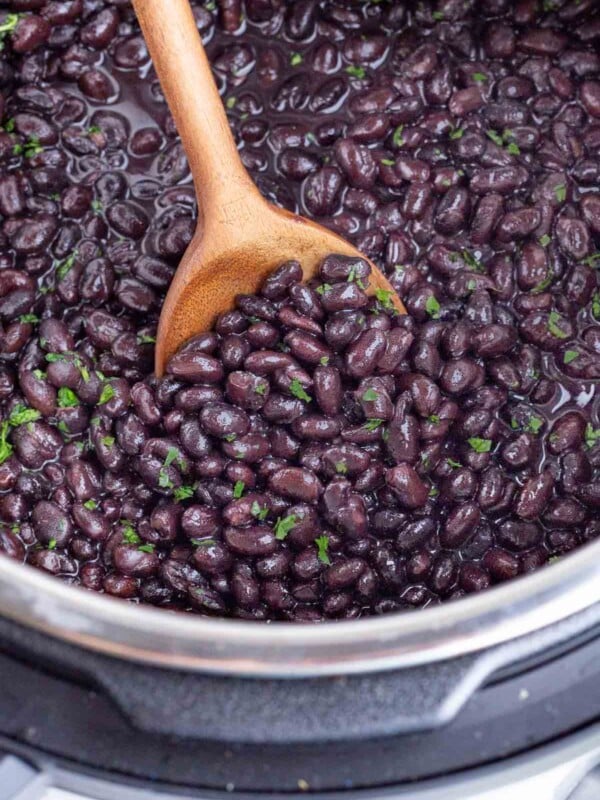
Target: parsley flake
<point>560,192</point>
<point>385,298</point>
<point>356,72</point>
<point>432,306</point>
<point>569,356</point>
<point>592,435</point>
<point>397,137</point>
<point>298,391</point>
<point>480,445</point>
<point>322,543</point>
<point>183,493</point>
<point>372,424</point>
<point>238,489</point>
<point>553,319</point>
<point>64,267</point>
<point>107,394</point>
<point>296,59</point>
<point>67,398</point>
<point>480,77</point>
<point>370,395</point>
<point>21,415</point>
<point>545,240</point>
<point>284,525</point>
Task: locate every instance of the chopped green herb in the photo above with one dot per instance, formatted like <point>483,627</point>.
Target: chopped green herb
<point>592,435</point>
<point>456,133</point>
<point>322,543</point>
<point>52,358</point>
<point>454,464</point>
<point>6,447</point>
<point>596,305</point>
<point>261,388</point>
<point>480,77</point>
<point>9,125</point>
<point>370,395</point>
<point>64,267</point>
<point>560,192</point>
<point>94,129</point>
<point>397,137</point>
<point>21,415</point>
<point>230,102</point>
<point>284,525</point>
<point>63,427</point>
<point>108,441</point>
<point>129,533</point>
<point>432,306</point>
<point>372,424</point>
<point>480,445</point>
<point>145,339</point>
<point>230,437</point>
<point>203,542</point>
<point>91,505</point>
<point>67,398</point>
<point>341,468</point>
<point>172,455</point>
<point>590,261</point>
<point>543,284</point>
<point>352,278</point>
<point>433,418</point>
<point>183,493</point>
<point>495,137</point>
<point>107,394</point>
<point>545,240</point>
<point>52,544</point>
<point>258,512</point>
<point>553,319</point>
<point>298,391</point>
<point>32,147</point>
<point>385,297</point>
<point>324,361</point>
<point>39,374</point>
<point>296,59</point>
<point>164,481</point>
<point>472,261</point>
<point>238,489</point>
<point>31,319</point>
<point>146,548</point>
<point>569,356</point>
<point>323,288</point>
<point>356,72</point>
<point>97,206</point>
<point>387,162</point>
<point>434,491</point>
<point>437,15</point>
<point>534,424</point>
<point>513,149</point>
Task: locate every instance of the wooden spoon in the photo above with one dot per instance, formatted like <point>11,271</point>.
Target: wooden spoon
<point>240,237</point>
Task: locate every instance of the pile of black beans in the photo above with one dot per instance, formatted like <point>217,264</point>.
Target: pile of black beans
<point>315,456</point>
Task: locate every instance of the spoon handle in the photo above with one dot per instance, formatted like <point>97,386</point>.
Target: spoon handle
<point>185,75</point>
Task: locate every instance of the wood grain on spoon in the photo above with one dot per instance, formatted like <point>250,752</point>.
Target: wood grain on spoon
<point>240,237</point>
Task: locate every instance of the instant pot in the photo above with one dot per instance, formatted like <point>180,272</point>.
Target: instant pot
<point>489,695</point>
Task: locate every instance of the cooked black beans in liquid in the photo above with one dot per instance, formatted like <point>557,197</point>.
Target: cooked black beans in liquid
<point>315,456</point>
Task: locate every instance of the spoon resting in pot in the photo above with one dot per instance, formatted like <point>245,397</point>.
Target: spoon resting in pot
<point>240,237</point>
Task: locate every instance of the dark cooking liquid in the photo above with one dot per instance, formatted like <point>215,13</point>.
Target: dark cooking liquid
<point>458,145</point>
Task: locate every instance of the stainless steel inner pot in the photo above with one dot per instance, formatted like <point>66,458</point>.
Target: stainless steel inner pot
<point>181,641</point>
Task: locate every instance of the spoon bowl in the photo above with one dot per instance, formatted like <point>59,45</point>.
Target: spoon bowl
<point>240,237</point>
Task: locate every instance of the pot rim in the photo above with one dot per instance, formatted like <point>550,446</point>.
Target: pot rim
<point>238,648</point>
